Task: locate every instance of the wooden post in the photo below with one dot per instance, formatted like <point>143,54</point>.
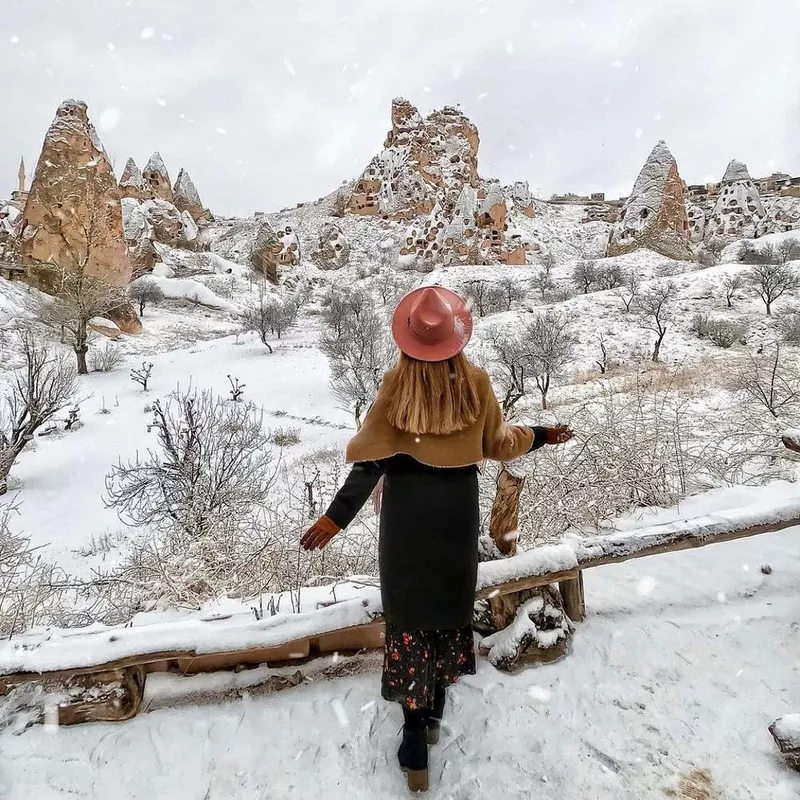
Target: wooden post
<point>505,512</point>
<point>572,595</point>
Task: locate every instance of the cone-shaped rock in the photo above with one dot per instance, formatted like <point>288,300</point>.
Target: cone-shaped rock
<point>132,183</point>
<point>186,196</point>
<point>73,216</point>
<point>736,171</point>
<point>738,211</point>
<point>654,216</point>
<point>157,179</point>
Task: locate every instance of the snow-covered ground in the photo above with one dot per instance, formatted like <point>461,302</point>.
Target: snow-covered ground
<point>683,662</point>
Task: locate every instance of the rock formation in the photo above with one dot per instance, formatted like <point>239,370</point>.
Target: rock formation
<point>165,221</point>
<point>738,210</point>
<point>696,214</point>
<point>132,183</point>
<point>73,217</point>
<point>187,198</point>
<point>782,214</point>
<point>333,250</point>
<point>157,179</point>
<point>427,173</point>
<point>273,249</point>
<point>654,216</point>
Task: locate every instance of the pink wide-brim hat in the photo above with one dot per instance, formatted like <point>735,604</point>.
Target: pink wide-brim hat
<point>431,324</point>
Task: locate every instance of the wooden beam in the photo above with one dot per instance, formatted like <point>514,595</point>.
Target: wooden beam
<point>531,582</point>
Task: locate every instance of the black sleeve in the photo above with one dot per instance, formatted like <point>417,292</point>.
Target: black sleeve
<point>356,489</point>
<point>539,437</point>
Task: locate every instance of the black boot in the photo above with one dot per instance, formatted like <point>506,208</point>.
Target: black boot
<point>413,752</point>
<point>435,714</point>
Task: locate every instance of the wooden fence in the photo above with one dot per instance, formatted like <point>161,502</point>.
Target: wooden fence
<point>100,674</point>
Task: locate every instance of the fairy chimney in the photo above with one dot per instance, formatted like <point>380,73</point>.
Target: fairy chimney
<point>738,210</point>
<point>654,215</point>
<point>157,179</point>
<point>132,183</point>
<point>186,196</point>
<point>73,217</point>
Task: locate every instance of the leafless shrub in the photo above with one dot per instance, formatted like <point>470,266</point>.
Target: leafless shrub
<point>789,326</point>
<point>28,592</point>
<point>237,389</point>
<point>359,352</point>
<point>341,306</point>
<point>771,281</point>
<point>655,310</point>
<point>142,375</point>
<point>106,358</point>
<point>724,333</point>
<point>144,292</point>
<point>285,437</point>
<point>211,468</point>
<point>699,325</point>
<point>45,383</point>
<point>543,283</point>
<point>731,284</point>
<point>711,251</point>
<point>766,381</point>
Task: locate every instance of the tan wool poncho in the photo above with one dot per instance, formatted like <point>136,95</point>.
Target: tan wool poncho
<point>488,437</point>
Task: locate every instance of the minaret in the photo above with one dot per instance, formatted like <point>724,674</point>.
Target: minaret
<point>19,197</point>
<point>21,175</point>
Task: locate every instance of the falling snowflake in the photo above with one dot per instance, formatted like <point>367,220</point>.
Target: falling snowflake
<point>51,718</point>
<point>657,117</point>
<point>512,147</point>
<point>221,130</point>
<point>368,706</point>
<point>123,88</point>
<point>111,47</point>
<point>646,586</point>
<point>616,64</point>
<point>14,39</point>
<point>341,714</point>
<point>746,567</point>
<point>721,598</point>
<point>426,89</point>
<point>539,694</point>
<point>167,37</point>
<point>510,48</point>
<point>638,133</point>
<point>740,673</point>
<point>289,66</point>
<point>147,33</point>
<point>109,119</point>
<point>482,95</point>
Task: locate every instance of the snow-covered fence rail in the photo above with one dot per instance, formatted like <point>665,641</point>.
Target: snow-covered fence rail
<point>99,673</point>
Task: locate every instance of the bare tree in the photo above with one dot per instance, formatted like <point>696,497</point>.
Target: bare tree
<point>145,292</point>
<point>549,342</point>
<point>584,275</point>
<point>339,306</point>
<point>511,291</point>
<point>543,282</point>
<point>751,253</point>
<point>44,385</point>
<point>603,361</point>
<point>548,263</point>
<point>486,297</point>
<point>507,363</point>
<point>771,281</point>
<point>654,308</point>
<point>787,250</point>
<point>711,251</point>
<point>629,290</point>
<point>79,299</point>
<point>211,468</point>
<point>610,277</point>
<point>731,284</point>
<point>269,316</point>
<point>359,352</point>
<point>766,380</point>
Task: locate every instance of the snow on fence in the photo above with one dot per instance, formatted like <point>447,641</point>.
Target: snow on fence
<point>98,673</point>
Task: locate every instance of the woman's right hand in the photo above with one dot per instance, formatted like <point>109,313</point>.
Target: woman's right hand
<point>319,534</point>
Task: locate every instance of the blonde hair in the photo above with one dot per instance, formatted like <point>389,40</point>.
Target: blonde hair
<point>436,397</point>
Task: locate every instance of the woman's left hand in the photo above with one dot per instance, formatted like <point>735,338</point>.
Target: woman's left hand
<point>560,434</point>
<point>319,534</point>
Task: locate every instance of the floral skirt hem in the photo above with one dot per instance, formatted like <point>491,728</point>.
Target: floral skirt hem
<point>416,662</point>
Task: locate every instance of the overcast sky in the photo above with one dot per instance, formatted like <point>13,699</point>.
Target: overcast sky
<point>269,103</point>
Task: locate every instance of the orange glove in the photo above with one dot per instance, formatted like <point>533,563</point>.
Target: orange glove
<point>319,534</point>
<point>558,435</point>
